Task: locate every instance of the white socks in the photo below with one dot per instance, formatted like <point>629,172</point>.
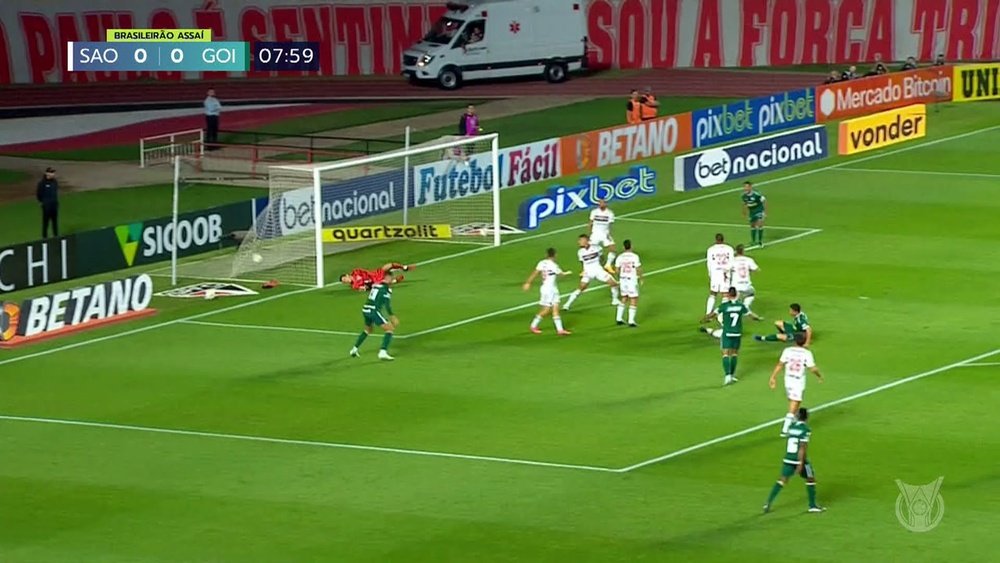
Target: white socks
<point>558,321</point>
<point>717,333</point>
<point>572,297</point>
<point>749,301</point>
<point>536,321</point>
<point>710,304</point>
<point>620,317</point>
<point>614,293</point>
<point>789,419</point>
<point>611,259</point>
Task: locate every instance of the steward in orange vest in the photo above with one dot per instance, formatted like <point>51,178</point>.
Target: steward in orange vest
<point>633,109</point>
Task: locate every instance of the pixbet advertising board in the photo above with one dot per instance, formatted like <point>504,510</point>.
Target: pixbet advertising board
<point>730,162</point>
<point>753,117</point>
<point>563,200</point>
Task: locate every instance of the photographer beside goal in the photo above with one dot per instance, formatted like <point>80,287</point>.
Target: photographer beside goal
<point>468,126</point>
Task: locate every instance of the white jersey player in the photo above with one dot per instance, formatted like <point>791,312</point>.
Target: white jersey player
<point>796,361</point>
<point>549,297</point>
<point>600,223</point>
<point>590,256</point>
<point>743,267</point>
<point>629,269</point>
<point>719,259</point>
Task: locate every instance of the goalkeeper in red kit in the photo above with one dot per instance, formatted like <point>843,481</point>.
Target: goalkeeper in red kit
<point>359,278</point>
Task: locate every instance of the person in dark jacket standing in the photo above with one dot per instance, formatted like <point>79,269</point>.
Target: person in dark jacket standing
<point>48,196</point>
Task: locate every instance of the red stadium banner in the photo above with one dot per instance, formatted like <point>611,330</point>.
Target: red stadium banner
<point>863,96</point>
<point>368,37</point>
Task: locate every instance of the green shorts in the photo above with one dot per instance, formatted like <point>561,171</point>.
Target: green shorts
<point>788,328</point>
<point>755,217</point>
<point>788,469</point>
<point>729,342</point>
<point>374,318</point>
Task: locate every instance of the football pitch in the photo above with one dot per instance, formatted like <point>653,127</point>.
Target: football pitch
<point>242,431</point>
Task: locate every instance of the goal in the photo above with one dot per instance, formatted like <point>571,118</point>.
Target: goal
<point>440,191</point>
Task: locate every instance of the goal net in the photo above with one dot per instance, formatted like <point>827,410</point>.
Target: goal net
<point>436,191</point>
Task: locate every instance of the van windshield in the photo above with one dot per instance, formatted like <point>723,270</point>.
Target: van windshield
<point>443,31</point>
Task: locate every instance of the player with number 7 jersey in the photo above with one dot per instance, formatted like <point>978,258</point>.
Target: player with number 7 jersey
<point>731,311</point>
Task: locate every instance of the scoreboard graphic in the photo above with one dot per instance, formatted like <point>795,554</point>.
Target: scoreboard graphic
<point>187,50</point>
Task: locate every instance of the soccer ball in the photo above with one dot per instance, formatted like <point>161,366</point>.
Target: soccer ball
<point>257,258</point>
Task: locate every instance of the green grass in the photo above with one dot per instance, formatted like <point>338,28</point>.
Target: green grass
<point>312,124</point>
<point>898,282</point>
<point>12,176</point>
<point>83,211</point>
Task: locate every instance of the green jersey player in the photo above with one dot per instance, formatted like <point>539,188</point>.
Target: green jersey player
<point>376,307</point>
<point>755,208</point>
<point>731,312</point>
<point>796,461</point>
<point>788,330</point>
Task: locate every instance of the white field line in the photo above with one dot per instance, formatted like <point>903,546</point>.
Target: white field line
<point>773,424</point>
<point>514,241</point>
<point>482,458</point>
<point>980,365</point>
<point>922,172</point>
<point>589,289</point>
<point>484,316</point>
<point>273,328</point>
<point>446,241</point>
<point>294,442</point>
<point>711,224</point>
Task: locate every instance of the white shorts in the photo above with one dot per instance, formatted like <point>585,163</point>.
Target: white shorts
<point>719,282</point>
<point>794,389</point>
<point>602,239</point>
<point>549,297</point>
<point>744,289</point>
<point>629,287</point>
<point>595,274</point>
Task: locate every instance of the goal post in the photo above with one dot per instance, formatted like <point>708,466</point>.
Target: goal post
<point>441,191</point>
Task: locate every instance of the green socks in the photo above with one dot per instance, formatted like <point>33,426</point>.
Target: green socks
<point>386,340</point>
<point>725,365</point>
<point>361,339</point>
<point>811,490</point>
<point>756,235</point>
<point>774,492</point>
<point>732,365</point>
<point>771,338</point>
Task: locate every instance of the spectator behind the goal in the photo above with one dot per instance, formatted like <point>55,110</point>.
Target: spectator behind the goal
<point>648,106</point>
<point>213,107</point>
<point>939,61</point>
<point>468,125</point>
<point>910,64</point>
<point>850,74</point>
<point>834,76</point>
<point>633,110</point>
<point>879,67</point>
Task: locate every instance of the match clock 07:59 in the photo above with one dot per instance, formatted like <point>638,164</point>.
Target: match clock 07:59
<point>269,55</point>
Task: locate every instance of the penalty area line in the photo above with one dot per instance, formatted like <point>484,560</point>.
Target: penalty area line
<point>712,224</point>
<point>774,423</point>
<point>296,442</point>
<point>476,318</point>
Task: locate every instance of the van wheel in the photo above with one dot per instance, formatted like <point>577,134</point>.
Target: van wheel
<point>449,79</point>
<point>555,72</point>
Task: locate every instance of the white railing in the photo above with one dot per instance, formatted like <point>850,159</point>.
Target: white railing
<point>161,149</point>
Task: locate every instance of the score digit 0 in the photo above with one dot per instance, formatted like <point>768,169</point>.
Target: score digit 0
<point>140,55</point>
<point>176,56</point>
